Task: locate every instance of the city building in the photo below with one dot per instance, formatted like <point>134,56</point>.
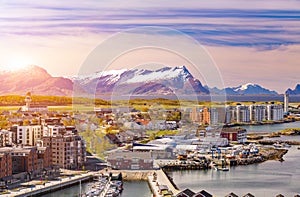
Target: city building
<point>68,150</point>
<point>44,157</point>
<point>6,138</point>
<point>27,135</point>
<point>274,112</point>
<point>130,160</point>
<point>24,158</point>
<point>257,113</point>
<point>234,134</point>
<point>5,165</point>
<point>242,113</point>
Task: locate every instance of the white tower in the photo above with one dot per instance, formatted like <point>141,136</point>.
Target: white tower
<point>286,103</point>
<point>28,100</point>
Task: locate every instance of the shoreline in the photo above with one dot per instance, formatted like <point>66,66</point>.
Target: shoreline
<point>261,123</point>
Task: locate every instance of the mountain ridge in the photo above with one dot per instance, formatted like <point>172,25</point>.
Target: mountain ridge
<point>162,81</point>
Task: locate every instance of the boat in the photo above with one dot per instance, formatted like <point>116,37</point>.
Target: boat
<point>223,169</point>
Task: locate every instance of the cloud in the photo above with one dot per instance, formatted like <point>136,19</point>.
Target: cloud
<point>228,24</point>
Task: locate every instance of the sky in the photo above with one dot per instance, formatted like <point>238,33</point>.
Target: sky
<point>246,41</point>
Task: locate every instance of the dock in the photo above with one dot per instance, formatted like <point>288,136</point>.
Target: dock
<point>159,184</point>
<point>51,186</point>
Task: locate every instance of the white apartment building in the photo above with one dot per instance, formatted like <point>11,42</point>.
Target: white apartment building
<point>257,113</point>
<point>274,112</point>
<point>242,113</point>
<point>28,135</point>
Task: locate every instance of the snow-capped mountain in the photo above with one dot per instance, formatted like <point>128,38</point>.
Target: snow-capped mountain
<point>164,81</point>
<point>246,89</point>
<point>294,91</point>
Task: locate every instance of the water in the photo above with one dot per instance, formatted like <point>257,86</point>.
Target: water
<point>266,179</point>
<point>131,189</point>
<point>271,127</point>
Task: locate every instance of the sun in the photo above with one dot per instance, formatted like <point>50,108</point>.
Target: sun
<point>18,63</point>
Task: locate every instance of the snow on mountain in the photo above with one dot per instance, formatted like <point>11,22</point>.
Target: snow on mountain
<point>246,89</point>
<point>166,81</point>
<point>160,74</point>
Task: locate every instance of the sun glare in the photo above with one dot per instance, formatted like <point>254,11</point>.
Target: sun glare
<point>18,63</point>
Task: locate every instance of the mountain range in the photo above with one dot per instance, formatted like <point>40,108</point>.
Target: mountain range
<point>163,81</point>
<point>246,89</point>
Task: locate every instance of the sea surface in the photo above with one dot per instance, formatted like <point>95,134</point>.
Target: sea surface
<point>271,127</point>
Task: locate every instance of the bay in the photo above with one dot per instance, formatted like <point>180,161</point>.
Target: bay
<point>266,179</point>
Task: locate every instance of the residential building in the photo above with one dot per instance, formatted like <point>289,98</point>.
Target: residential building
<point>44,156</point>
<point>274,112</point>
<point>5,165</point>
<point>195,114</point>
<point>242,113</point>
<point>24,158</point>
<point>130,160</point>
<point>6,138</point>
<point>68,151</point>
<point>257,113</point>
<point>27,135</point>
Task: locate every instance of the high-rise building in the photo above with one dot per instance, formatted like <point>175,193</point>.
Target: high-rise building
<point>242,113</point>
<point>274,112</point>
<point>257,113</point>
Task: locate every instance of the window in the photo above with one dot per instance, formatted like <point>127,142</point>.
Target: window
<point>135,160</point>
<point>135,167</point>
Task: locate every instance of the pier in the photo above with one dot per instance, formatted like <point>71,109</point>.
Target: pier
<point>50,186</point>
<point>160,184</point>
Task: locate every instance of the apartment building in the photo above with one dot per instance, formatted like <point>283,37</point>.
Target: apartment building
<point>275,112</point>
<point>257,113</point>
<point>27,135</point>
<point>6,138</point>
<point>24,159</point>
<point>68,151</point>
<point>5,165</point>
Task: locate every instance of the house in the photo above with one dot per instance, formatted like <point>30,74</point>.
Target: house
<point>203,193</point>
<point>186,193</point>
<point>248,195</point>
<point>130,160</point>
<point>231,195</point>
